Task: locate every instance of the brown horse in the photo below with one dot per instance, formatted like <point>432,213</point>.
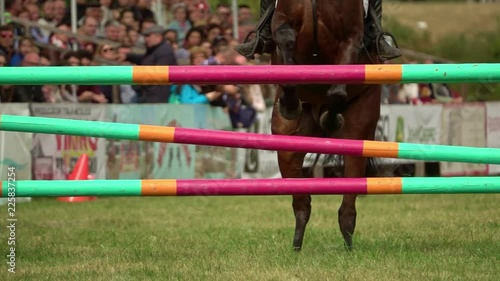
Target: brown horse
<point>309,32</point>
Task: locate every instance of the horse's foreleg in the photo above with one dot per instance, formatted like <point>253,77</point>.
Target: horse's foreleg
<point>332,120</point>
<point>289,104</point>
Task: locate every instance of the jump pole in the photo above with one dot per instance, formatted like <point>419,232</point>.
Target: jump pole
<point>252,74</point>
<point>239,187</point>
<point>330,146</point>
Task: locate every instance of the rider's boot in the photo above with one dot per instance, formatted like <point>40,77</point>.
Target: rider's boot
<point>263,41</point>
<point>374,34</point>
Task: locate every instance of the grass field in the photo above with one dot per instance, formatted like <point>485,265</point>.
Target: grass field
<point>403,237</point>
<point>445,18</point>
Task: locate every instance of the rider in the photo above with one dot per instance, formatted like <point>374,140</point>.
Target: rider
<point>372,31</point>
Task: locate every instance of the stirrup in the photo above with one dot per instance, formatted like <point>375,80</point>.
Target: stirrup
<point>382,35</point>
<point>256,43</point>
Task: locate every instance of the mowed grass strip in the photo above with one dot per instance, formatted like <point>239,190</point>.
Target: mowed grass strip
<point>398,237</point>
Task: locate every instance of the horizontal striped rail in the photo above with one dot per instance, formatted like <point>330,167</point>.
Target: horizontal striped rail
<point>251,74</point>
<point>227,187</point>
<point>151,133</point>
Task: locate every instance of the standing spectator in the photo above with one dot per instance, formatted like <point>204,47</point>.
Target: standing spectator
<point>181,23</point>
<point>158,52</point>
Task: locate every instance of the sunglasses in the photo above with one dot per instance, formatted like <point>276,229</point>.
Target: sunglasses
<point>6,34</point>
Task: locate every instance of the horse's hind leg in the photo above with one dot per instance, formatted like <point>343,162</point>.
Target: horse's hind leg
<point>289,104</point>
<point>361,120</point>
<point>290,165</point>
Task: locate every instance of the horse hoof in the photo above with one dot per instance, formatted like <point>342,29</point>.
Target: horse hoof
<point>290,115</point>
<point>331,125</point>
<point>297,249</point>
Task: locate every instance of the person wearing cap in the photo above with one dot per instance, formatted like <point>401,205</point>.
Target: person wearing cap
<point>158,52</point>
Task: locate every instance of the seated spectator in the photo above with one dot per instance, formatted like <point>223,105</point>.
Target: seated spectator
<point>128,18</point>
<point>198,55</point>
<point>7,41</point>
<point>48,19</point>
<point>35,32</point>
<point>86,57</point>
<point>143,10</point>
<point>213,31</point>
<point>84,93</point>
<point>6,91</point>
<point>60,8</point>
<point>193,93</point>
<point>45,60</point>
<point>60,40</point>
<point>29,93</point>
<point>89,29</point>
<point>132,38</point>
<point>25,46</point>
<point>194,37</point>
<point>52,94</point>
<point>181,54</point>
<point>198,13</point>
<point>171,35</point>
<point>112,31</point>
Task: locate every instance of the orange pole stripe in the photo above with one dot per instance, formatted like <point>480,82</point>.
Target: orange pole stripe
<point>381,149</point>
<point>156,133</point>
<point>383,73</point>
<point>384,185</point>
<point>159,187</point>
<point>150,75</point>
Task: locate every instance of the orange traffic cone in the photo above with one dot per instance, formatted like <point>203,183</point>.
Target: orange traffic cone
<point>80,172</point>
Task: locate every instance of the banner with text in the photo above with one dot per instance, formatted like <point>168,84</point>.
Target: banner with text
<point>463,125</point>
<point>54,156</point>
<point>15,147</point>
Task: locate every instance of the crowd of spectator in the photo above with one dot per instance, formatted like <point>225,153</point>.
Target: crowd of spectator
<point>180,32</point>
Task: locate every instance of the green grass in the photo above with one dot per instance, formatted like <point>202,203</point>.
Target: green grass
<point>405,237</point>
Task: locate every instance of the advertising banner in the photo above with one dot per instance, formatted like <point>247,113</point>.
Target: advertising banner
<point>463,125</point>
<point>415,124</point>
<point>15,150</point>
<point>54,156</point>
